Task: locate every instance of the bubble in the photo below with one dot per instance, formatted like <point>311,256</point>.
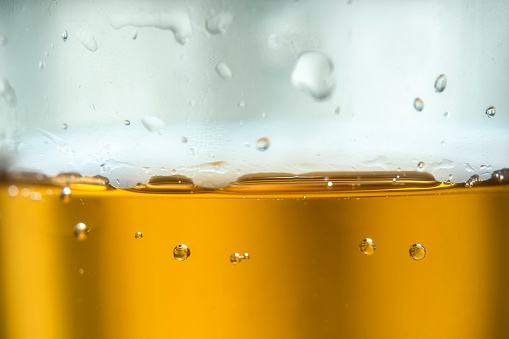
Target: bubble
<point>127,122</point>
<point>420,165</point>
<point>329,184</point>
<point>181,253</point>
<point>224,71</point>
<point>81,271</point>
<point>64,36</point>
<point>35,196</point>
<point>367,246</point>
<point>13,190</point>
<point>490,111</point>
<point>417,252</point>
<point>183,140</point>
<point>219,23</point>
<point>134,36</point>
<point>418,104</point>
<point>337,110</point>
<point>80,231</point>
<point>440,83</point>
<point>262,144</point>
<point>42,64</point>
<point>446,114</point>
<point>138,235</point>
<point>92,106</point>
<point>65,126</point>
<point>237,258</point>
<point>25,192</point>
<point>312,74</point>
<point>152,123</point>
<point>65,194</point>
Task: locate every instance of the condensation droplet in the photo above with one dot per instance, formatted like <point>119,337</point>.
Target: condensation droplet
<point>219,23</point>
<point>152,123</point>
<point>80,231</point>
<point>65,194</point>
<point>134,36</point>
<point>262,144</point>
<point>367,246</point>
<point>242,104</point>
<point>446,114</point>
<point>138,235</point>
<point>418,104</point>
<point>224,71</point>
<point>417,252</point>
<point>490,111</point>
<point>181,253</point>
<point>440,83</point>
<point>13,190</point>
<point>41,64</point>
<point>273,41</point>
<point>64,126</point>
<point>3,40</point>
<point>64,36</point>
<point>420,165</point>
<point>127,122</point>
<point>312,74</point>
<point>92,106</point>
<point>87,39</point>
<point>337,110</point>
<point>184,140</point>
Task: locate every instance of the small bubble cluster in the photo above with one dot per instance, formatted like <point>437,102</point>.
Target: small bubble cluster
<point>236,258</point>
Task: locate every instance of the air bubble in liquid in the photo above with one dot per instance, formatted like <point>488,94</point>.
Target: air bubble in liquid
<point>13,190</point>
<point>417,252</point>
<point>64,36</point>
<point>418,104</point>
<point>237,258</point>
<point>80,231</point>
<point>367,246</point>
<point>312,74</point>
<point>490,111</point>
<point>440,83</point>
<point>262,144</point>
<point>181,253</point>
<point>138,235</point>
<point>224,71</point>
<point>65,194</point>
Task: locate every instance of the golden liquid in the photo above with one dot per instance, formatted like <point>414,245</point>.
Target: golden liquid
<point>298,272</point>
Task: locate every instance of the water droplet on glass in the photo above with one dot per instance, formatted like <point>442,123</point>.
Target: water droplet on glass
<point>418,104</point>
<point>13,190</point>
<point>173,171</point>
<point>440,83</point>
<point>181,253</point>
<point>3,40</point>
<point>312,74</point>
<point>184,140</point>
<point>41,64</point>
<point>446,114</point>
<point>417,252</point>
<point>64,36</point>
<point>64,126</point>
<point>134,35</point>
<point>138,235</point>
<point>65,194</point>
<point>337,110</point>
<point>242,104</point>
<point>219,23</point>
<point>87,39</point>
<point>273,41</point>
<point>92,106</point>
<point>367,246</point>
<point>152,123</point>
<point>127,122</point>
<point>442,143</point>
<point>420,165</point>
<point>224,71</point>
<point>80,231</point>
<point>262,144</point>
<point>490,111</point>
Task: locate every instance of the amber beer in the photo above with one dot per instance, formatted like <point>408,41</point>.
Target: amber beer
<point>254,169</point>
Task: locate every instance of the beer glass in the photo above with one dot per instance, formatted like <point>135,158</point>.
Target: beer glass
<point>254,169</point>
